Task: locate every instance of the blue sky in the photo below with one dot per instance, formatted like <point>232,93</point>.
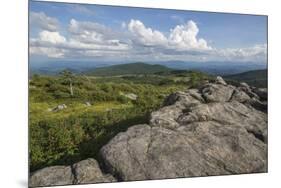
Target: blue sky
<point>83,31</point>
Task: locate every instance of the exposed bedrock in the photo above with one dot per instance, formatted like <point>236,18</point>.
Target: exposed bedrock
<point>217,129</point>
<point>214,130</point>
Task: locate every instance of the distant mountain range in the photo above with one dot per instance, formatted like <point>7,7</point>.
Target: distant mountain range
<point>256,78</point>
<point>215,68</point>
<point>54,67</point>
<point>130,68</point>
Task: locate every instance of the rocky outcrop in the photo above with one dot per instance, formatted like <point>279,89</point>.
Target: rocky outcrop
<point>217,129</point>
<point>86,171</point>
<point>213,130</point>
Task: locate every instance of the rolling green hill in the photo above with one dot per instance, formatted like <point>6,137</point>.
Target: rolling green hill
<point>256,78</point>
<point>125,69</point>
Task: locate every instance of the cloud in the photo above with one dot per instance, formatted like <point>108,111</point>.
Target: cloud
<point>78,28</point>
<point>146,35</point>
<point>52,37</point>
<point>133,41</point>
<point>254,53</point>
<point>47,51</point>
<point>123,25</point>
<point>184,37</point>
<point>42,21</point>
<point>81,9</point>
<point>48,44</point>
<point>95,36</point>
<point>92,32</point>
<point>181,38</point>
<point>177,18</point>
<point>84,39</point>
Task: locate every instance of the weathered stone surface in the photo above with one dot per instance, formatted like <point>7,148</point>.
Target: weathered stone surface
<point>55,175</point>
<point>173,106</point>
<point>244,84</point>
<point>217,92</point>
<point>219,133</point>
<point>240,96</point>
<point>86,171</point>
<point>219,80</point>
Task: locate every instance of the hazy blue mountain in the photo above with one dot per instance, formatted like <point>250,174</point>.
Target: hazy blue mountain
<point>216,68</point>
<point>256,78</point>
<point>54,67</point>
<point>129,68</point>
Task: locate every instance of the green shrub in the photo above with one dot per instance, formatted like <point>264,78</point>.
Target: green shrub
<point>79,131</point>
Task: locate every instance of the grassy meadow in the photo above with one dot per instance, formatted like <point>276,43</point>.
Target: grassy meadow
<point>96,109</point>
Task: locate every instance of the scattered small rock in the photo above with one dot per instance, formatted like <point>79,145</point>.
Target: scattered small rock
<point>59,108</point>
<point>88,103</point>
<point>131,96</point>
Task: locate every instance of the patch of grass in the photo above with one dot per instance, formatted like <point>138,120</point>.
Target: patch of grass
<point>79,131</point>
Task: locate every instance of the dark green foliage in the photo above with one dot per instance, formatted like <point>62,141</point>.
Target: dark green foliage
<point>196,78</point>
<point>79,131</point>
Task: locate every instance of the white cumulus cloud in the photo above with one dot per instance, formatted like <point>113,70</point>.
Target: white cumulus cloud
<point>184,37</point>
<point>47,51</point>
<point>146,35</point>
<point>84,39</point>
<point>134,40</point>
<point>51,37</point>
<point>42,21</point>
<point>181,37</point>
<point>254,53</point>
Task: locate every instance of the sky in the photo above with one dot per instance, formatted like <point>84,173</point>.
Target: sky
<point>64,31</point>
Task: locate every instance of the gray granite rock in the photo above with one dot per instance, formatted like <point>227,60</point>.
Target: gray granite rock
<point>86,171</point>
<point>210,131</point>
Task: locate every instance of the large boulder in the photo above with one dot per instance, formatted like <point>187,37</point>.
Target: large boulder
<point>50,176</point>
<point>195,133</point>
<point>86,171</point>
